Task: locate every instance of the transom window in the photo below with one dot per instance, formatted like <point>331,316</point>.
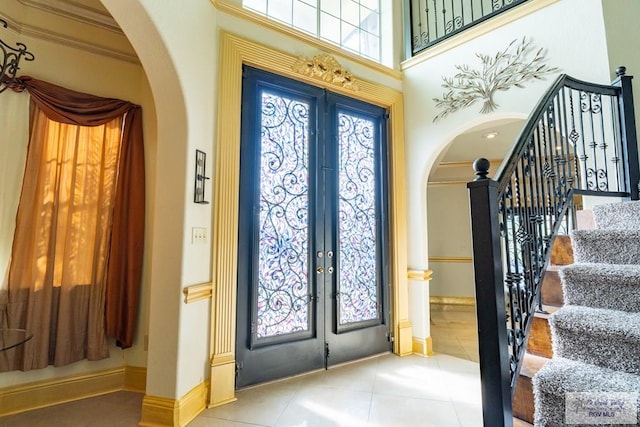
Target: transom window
<point>354,25</point>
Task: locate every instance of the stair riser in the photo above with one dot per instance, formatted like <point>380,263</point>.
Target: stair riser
<point>561,251</point>
<point>523,400</point>
<point>552,293</point>
<point>540,338</point>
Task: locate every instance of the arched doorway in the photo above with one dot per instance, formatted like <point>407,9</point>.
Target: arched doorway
<point>449,229</point>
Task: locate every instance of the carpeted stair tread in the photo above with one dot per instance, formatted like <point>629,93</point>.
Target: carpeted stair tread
<point>617,216</point>
<point>606,246</point>
<point>560,375</point>
<point>610,286</point>
<point>597,336</point>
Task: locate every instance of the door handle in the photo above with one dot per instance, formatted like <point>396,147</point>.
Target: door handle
<point>320,270</point>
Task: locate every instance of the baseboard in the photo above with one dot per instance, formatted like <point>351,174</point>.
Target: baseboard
<point>423,346</point>
<point>452,300</point>
<point>135,379</point>
<point>40,394</point>
<point>164,412</point>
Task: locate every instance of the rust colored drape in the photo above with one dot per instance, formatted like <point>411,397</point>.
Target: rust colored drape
<point>124,262</point>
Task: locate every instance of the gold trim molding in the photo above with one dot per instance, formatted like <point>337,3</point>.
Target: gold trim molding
<point>41,394</point>
<point>164,412</point>
<point>327,69</point>
<point>423,346</point>
<point>471,301</point>
<point>199,292</point>
<point>448,183</point>
<point>456,259</point>
<point>419,275</point>
<point>465,163</point>
<point>235,51</point>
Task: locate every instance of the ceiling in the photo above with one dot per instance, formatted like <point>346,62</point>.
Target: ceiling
<point>473,143</point>
<point>81,24</point>
<point>454,163</point>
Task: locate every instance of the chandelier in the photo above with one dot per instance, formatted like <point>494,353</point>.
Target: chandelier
<point>10,61</point>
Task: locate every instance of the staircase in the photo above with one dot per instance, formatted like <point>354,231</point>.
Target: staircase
<point>516,217</point>
<point>596,334</point>
<point>539,348</point>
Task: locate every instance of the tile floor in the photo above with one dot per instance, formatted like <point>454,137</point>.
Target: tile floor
<point>384,391</point>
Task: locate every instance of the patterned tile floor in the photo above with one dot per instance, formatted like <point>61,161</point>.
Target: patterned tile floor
<point>384,391</point>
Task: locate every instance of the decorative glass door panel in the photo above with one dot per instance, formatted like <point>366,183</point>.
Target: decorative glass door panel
<point>358,285</point>
<point>283,291</point>
<point>311,238</point>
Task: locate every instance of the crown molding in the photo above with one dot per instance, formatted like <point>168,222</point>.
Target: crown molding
<point>45,34</point>
<point>65,40</point>
<point>76,11</point>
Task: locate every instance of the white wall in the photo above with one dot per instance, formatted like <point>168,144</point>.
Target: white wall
<point>450,237</point>
<point>571,31</point>
<point>623,41</point>
<point>177,45</point>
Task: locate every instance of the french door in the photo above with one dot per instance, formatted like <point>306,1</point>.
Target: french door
<point>313,286</point>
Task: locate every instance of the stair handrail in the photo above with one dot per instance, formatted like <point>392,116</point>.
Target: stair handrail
<point>566,147</point>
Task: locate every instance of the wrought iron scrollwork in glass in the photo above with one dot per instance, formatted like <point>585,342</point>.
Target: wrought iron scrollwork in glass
<point>358,286</point>
<point>283,291</point>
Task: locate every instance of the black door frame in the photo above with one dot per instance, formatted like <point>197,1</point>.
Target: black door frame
<point>306,347</point>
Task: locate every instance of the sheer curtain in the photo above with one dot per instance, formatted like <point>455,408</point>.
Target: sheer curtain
<point>76,258</point>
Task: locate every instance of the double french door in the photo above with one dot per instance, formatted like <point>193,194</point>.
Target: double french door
<point>313,286</point>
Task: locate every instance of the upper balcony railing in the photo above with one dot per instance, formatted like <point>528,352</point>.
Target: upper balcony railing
<point>432,21</point>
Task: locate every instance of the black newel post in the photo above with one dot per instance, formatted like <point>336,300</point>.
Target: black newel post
<point>490,299</point>
<point>629,132</point>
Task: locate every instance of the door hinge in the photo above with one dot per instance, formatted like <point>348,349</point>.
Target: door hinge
<point>326,355</point>
<point>239,365</point>
<point>390,337</point>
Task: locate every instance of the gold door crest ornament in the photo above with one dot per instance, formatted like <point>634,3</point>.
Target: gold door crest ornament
<point>326,68</point>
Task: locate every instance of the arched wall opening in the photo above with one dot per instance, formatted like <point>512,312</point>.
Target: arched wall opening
<point>168,205</point>
<point>448,220</point>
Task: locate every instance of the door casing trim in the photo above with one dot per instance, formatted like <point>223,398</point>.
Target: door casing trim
<point>234,52</point>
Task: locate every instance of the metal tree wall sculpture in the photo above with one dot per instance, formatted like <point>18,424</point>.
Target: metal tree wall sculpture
<point>511,67</point>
